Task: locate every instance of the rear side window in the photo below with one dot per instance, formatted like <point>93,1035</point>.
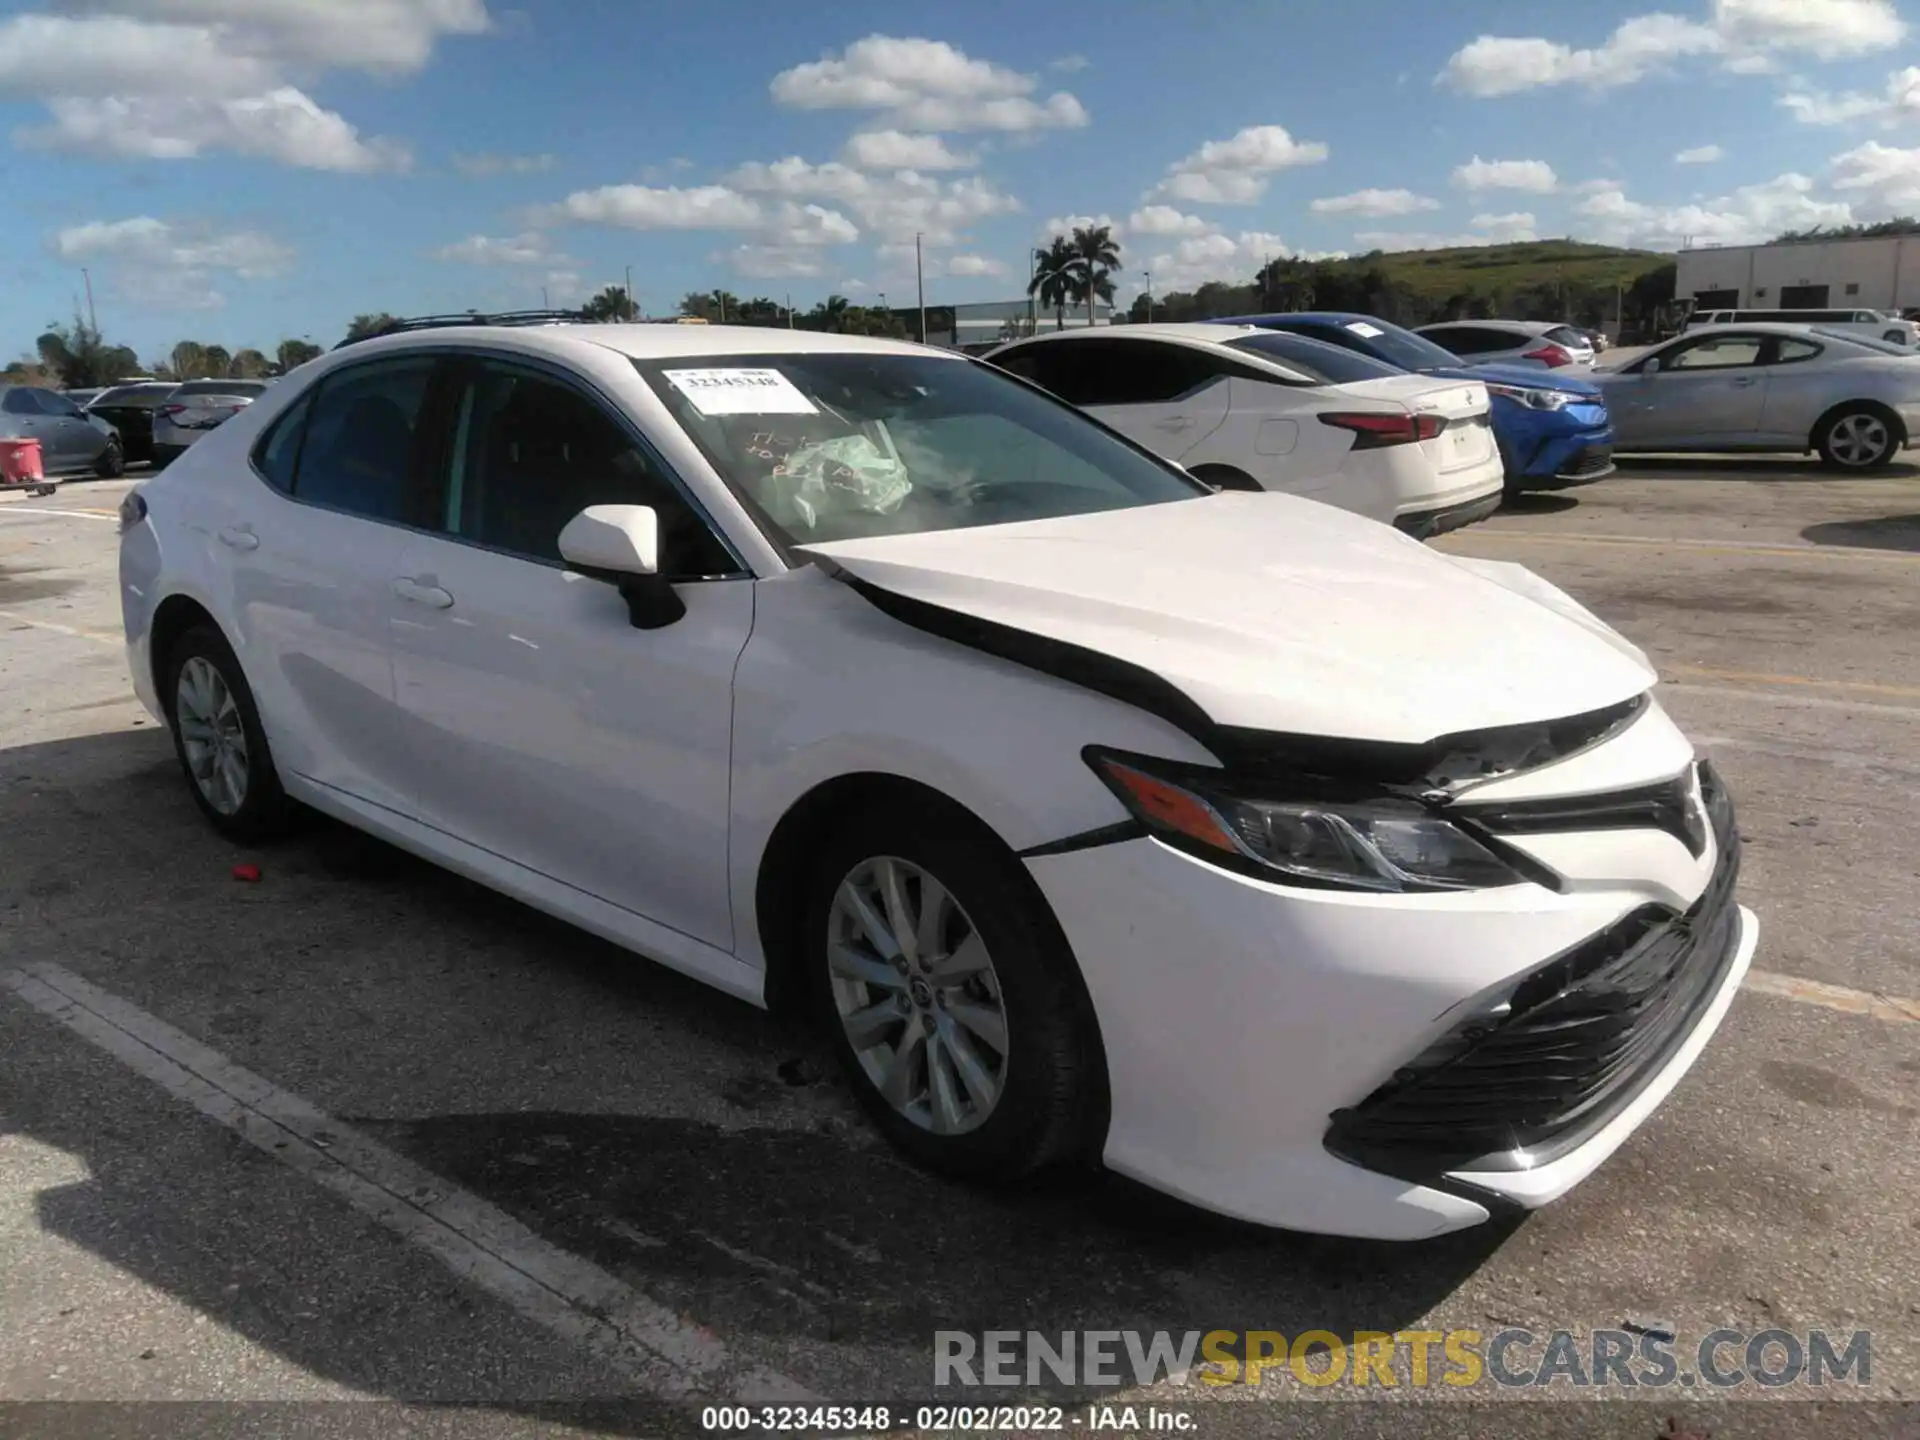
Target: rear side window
<point>1325,363</point>
<point>361,430</point>
<point>277,453</point>
<point>22,401</point>
<point>1566,335</point>
<point>1474,339</point>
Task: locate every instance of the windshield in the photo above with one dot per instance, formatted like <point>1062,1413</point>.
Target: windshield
<point>1328,364</point>
<point>1388,342</point>
<point>842,446</point>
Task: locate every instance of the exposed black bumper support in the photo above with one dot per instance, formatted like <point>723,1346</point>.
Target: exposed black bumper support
<point>1425,524</point>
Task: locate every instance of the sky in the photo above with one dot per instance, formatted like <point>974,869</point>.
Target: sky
<point>244,171</point>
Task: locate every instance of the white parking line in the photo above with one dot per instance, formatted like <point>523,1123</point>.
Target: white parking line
<point>98,636</point>
<point>1795,702</point>
<point>575,1299</point>
<point>6,510</point>
<point>1834,997</point>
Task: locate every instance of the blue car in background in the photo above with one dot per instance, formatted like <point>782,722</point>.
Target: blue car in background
<point>1553,431</point>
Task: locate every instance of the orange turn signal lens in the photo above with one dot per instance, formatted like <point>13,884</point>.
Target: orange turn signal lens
<point>1170,807</point>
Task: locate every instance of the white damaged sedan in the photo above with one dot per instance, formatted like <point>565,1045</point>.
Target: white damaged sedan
<point>1243,844</point>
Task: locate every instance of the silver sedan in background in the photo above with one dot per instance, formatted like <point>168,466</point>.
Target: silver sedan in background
<point>1852,399</point>
<point>196,407</point>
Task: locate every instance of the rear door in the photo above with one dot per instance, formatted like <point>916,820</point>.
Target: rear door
<point>1165,396</point>
<point>75,438</point>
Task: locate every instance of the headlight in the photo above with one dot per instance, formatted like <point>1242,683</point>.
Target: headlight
<point>1531,398</point>
<point>1386,844</point>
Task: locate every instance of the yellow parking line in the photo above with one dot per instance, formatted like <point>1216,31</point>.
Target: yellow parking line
<point>1717,547</point>
<point>100,636</point>
<point>1754,677</point>
<point>1835,997</point>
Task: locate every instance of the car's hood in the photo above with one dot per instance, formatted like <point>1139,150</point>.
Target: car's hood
<point>1516,375</point>
<point>1275,613</point>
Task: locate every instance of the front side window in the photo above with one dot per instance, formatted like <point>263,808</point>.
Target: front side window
<point>359,451</point>
<point>53,403</point>
<point>530,453</point>
<point>828,446</point>
<point>1720,352</point>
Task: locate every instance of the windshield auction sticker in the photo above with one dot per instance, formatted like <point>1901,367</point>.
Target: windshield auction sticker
<point>740,392</point>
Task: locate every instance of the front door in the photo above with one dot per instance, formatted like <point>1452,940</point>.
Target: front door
<point>550,730</point>
<point>1710,390</point>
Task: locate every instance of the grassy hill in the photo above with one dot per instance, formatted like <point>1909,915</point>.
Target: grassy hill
<point>1488,268</point>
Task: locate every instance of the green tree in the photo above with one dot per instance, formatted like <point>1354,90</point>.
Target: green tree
<point>188,360</point>
<point>1053,278</point>
<point>219,362</point>
<point>294,353</point>
<point>611,304</point>
<point>758,311</point>
<point>1095,258</point>
<point>363,326</point>
<point>248,364</point>
<point>79,357</point>
<point>698,305</point>
<point>830,315</point>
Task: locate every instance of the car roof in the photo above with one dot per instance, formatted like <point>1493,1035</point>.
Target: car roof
<point>1193,332</point>
<point>643,341</point>
<point>1310,317</point>
<point>1760,327</point>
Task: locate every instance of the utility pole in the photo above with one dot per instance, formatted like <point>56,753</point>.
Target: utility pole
<point>1033,268</point>
<point>789,310</point>
<point>920,279</point>
<point>93,321</point>
<point>544,304</point>
<point>1149,275</point>
<point>633,310</point>
<point>720,299</point>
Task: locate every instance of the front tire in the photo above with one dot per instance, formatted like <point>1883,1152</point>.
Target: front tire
<point>950,996</point>
<point>219,741</point>
<point>1858,439</point>
<point>1225,477</point>
<point>112,463</point>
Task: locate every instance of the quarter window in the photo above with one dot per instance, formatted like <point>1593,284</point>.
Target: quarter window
<point>530,453</point>
<point>278,451</point>
<point>1792,350</point>
<point>359,454</point>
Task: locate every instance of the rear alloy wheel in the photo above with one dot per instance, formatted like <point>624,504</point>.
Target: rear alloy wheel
<point>950,996</point>
<point>218,738</point>
<point>112,463</point>
<point>1859,439</point>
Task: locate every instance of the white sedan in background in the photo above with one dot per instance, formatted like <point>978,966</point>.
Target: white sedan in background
<point>1250,847</point>
<point>1853,400</point>
<point>1538,343</point>
<point>1244,408</point>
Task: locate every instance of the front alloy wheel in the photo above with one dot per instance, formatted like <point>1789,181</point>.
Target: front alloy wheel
<point>213,737</point>
<point>917,996</point>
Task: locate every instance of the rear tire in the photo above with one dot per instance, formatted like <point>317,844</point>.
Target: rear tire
<point>972,1045</point>
<point>112,463</point>
<point>1857,439</point>
<point>219,741</point>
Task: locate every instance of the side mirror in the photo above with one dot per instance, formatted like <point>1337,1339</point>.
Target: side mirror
<point>620,544</point>
<point>1652,367</point>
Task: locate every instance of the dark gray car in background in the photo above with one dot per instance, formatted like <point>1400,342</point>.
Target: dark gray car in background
<point>72,442</point>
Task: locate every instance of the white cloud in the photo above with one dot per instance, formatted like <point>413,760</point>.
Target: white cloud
<point>1885,178</point>
<point>895,207</point>
<point>1749,214</point>
<point>171,265</point>
<point>1744,34</point>
<point>1236,171</point>
<point>647,207</point>
<point>1506,229</point>
<point>1373,203</point>
<point>1070,64</point>
<point>1067,224</point>
<point>974,265</point>
<point>925,85</point>
<point>176,79</point>
<point>1155,220</point>
<point>1700,155</point>
<point>1825,29</point>
<point>528,249</point>
<point>1499,65</point>
<point>1489,230</point>
<point>1532,175</point>
<point>1900,100</point>
<point>772,262</point>
<point>793,226</point>
<point>1219,256</point>
<point>896,150</point>
<point>564,287</point>
<point>481,166</point>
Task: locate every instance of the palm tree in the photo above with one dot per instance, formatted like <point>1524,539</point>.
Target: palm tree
<point>611,304</point>
<point>1052,278</point>
<point>1095,258</point>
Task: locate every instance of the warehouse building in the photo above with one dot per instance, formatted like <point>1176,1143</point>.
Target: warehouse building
<point>1882,273</point>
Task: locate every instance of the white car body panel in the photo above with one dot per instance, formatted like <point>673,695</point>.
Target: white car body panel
<point>1268,612</point>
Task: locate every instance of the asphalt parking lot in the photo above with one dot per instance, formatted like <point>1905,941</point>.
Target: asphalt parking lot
<point>638,1185</point>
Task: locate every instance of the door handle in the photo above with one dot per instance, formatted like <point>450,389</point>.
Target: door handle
<point>407,588</point>
<point>1745,381</point>
<point>240,538</point>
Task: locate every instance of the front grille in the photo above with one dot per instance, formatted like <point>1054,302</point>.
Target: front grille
<point>1517,1085</point>
<point>1669,807</point>
<point>1592,460</point>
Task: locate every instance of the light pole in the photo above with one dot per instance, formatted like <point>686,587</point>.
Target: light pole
<point>93,321</point>
<point>920,279</point>
<point>633,311</point>
<point>1149,276</point>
